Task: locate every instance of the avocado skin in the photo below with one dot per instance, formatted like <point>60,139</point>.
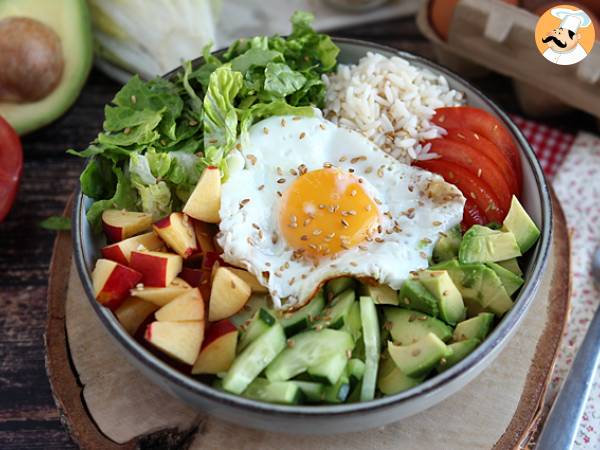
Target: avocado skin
<point>482,244</point>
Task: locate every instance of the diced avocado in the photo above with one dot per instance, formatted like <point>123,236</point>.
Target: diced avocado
<point>441,286</point>
<point>476,327</point>
<point>447,245</point>
<point>391,380</point>
<point>460,350</point>
<point>294,322</point>
<point>413,295</point>
<point>260,323</point>
<point>285,392</point>
<point>336,314</point>
<point>70,20</point>
<point>372,340</point>
<point>380,293</point>
<point>338,392</point>
<point>308,350</point>
<point>481,244</point>
<point>407,327</point>
<point>419,358</point>
<point>512,265</point>
<point>312,392</point>
<point>520,224</point>
<point>338,285</point>
<point>511,282</point>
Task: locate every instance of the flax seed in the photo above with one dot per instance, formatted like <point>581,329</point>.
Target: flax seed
<point>293,172</point>
<point>344,223</point>
<point>244,202</point>
<point>304,237</point>
<point>302,135</point>
<point>261,187</point>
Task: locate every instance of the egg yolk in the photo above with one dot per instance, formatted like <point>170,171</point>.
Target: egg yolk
<point>326,211</point>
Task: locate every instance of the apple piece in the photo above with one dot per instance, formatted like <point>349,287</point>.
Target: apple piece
<point>120,224</point>
<point>250,279</point>
<point>188,306</point>
<point>158,269</point>
<point>179,340</point>
<point>112,282</point>
<point>121,251</point>
<point>218,349</point>
<point>132,313</point>
<point>205,234</point>
<point>160,296</point>
<point>205,201</point>
<point>177,231</point>
<point>180,282</point>
<point>228,295</point>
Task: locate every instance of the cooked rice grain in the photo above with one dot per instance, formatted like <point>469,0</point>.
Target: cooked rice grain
<point>389,101</point>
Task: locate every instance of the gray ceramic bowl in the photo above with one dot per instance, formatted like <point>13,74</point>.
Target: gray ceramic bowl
<point>347,417</point>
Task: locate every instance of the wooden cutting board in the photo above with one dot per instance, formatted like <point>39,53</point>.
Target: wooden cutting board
<point>108,404</point>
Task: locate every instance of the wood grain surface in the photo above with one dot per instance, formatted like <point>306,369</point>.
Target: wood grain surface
<point>28,415</point>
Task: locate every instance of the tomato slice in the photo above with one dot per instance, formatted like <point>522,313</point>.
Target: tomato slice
<point>472,215</point>
<point>11,166</point>
<point>476,163</point>
<point>472,187</point>
<point>482,123</point>
<point>491,150</point>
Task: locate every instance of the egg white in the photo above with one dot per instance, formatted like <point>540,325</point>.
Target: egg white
<point>251,197</point>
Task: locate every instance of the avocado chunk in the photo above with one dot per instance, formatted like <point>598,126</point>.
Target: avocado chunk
<point>380,293</point>
<point>71,22</point>
<point>481,244</point>
<point>447,245</point>
<point>441,286</point>
<point>413,295</point>
<point>476,327</point>
<point>512,265</point>
<point>391,380</point>
<point>518,222</point>
<point>511,282</point>
<point>407,327</point>
<point>460,350</point>
<point>419,358</point>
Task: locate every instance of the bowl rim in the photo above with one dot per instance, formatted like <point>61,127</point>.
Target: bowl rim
<point>435,384</point>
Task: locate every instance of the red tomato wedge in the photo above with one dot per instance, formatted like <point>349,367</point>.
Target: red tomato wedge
<point>475,162</point>
<point>482,123</point>
<point>472,187</point>
<point>489,149</point>
<point>11,166</point>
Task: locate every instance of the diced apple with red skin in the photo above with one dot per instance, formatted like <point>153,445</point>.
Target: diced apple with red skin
<point>159,296</point>
<point>179,340</point>
<point>205,234</point>
<point>121,251</point>
<point>158,269</point>
<point>229,294</point>
<point>188,306</point>
<point>119,224</point>
<point>133,312</point>
<point>177,231</point>
<point>251,280</point>
<point>205,201</point>
<point>112,282</point>
<point>218,348</point>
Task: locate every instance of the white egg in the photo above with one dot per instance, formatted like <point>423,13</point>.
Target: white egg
<point>270,210</point>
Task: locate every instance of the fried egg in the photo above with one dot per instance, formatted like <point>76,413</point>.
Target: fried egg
<point>308,201</point>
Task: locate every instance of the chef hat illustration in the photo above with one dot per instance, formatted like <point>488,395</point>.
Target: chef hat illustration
<point>571,19</point>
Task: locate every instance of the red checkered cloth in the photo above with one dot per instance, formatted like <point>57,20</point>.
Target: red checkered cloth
<point>550,144</point>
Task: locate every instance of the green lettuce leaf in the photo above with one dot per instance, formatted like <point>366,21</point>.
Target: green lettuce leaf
<point>155,199</point>
<point>282,81</point>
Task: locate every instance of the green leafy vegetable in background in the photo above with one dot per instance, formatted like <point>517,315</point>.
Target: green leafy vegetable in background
<point>159,135</point>
<point>58,223</point>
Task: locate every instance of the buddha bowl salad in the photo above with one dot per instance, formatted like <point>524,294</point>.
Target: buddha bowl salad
<point>294,230</point>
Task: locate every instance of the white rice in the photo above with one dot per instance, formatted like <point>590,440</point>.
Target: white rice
<point>391,102</point>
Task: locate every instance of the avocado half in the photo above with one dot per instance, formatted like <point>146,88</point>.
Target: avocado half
<point>70,19</point>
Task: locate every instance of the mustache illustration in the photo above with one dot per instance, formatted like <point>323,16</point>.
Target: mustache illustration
<point>556,41</point>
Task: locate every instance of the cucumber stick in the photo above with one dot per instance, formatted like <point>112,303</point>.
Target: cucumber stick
<point>371,338</point>
<point>285,392</point>
<point>254,359</point>
<point>260,322</point>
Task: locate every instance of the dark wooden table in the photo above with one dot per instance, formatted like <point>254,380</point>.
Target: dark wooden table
<point>28,417</point>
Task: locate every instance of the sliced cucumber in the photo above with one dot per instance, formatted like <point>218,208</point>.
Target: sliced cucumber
<point>255,302</point>
<point>353,324</point>
<point>419,358</point>
<point>254,359</point>
<point>300,320</point>
<point>407,327</point>
<point>307,350</point>
<point>312,392</point>
<point>391,380</point>
<point>380,293</point>
<point>336,315</point>
<point>285,392</point>
<point>355,370</point>
<point>338,285</point>
<point>371,338</point>
<point>338,392</point>
<point>330,370</point>
<point>460,350</point>
<point>260,323</point>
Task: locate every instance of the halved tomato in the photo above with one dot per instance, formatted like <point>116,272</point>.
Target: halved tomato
<point>472,187</point>
<point>489,149</point>
<point>482,123</point>
<point>11,166</point>
<point>476,163</point>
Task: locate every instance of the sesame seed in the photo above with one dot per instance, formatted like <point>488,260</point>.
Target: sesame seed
<point>351,170</point>
<point>321,126</point>
<point>342,159</point>
<point>293,172</point>
<point>473,196</point>
<point>436,223</point>
<point>476,136</point>
<point>411,188</point>
<point>379,240</point>
<point>443,361</point>
<point>313,246</point>
<point>461,136</point>
<point>353,193</point>
<point>302,169</point>
<point>353,264</point>
<point>292,280</point>
<point>317,232</point>
<point>357,159</point>
<point>302,135</point>
<point>304,237</point>
<point>244,202</point>
<point>380,172</point>
<point>307,221</point>
<point>290,343</point>
<point>283,122</point>
<point>140,286</point>
<point>255,226</point>
<point>293,225</point>
<point>327,165</point>
<point>260,235</point>
<point>296,118</point>
<point>406,301</point>
<point>127,131</point>
<point>277,274</point>
<point>379,229</point>
<point>274,239</point>
<point>330,236</point>
<point>293,218</point>
<point>133,99</point>
<point>442,119</point>
<point>250,241</point>
<point>479,172</point>
<point>363,247</point>
<point>261,187</point>
<point>344,223</point>
<point>423,255</point>
<point>321,206</point>
<point>265,130</point>
<point>369,169</point>
<point>368,207</point>
<point>422,318</point>
<point>378,201</point>
<point>280,194</point>
<point>251,158</point>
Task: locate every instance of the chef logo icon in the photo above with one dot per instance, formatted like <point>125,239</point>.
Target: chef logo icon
<point>565,35</point>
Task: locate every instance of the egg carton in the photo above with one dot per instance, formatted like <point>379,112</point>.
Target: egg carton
<point>492,35</point>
